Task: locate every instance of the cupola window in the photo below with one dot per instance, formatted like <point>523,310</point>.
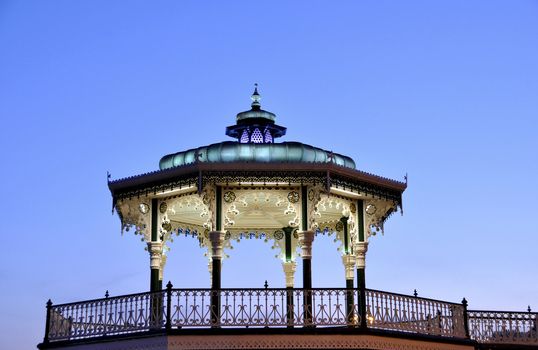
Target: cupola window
<point>268,136</point>
<point>257,136</point>
<point>244,136</point>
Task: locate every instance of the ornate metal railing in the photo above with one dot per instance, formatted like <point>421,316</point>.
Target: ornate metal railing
<point>503,327</point>
<point>412,314</point>
<point>107,316</point>
<point>174,309</point>
<point>263,307</point>
<point>196,308</point>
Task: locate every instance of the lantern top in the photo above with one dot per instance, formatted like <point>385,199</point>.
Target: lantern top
<point>255,125</point>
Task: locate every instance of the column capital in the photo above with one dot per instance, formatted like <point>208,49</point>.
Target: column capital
<point>349,261</point>
<point>217,241</point>
<point>360,249</point>
<point>289,270</point>
<point>155,250</point>
<point>305,240</point>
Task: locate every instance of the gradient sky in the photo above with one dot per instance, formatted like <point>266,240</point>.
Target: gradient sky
<point>446,91</point>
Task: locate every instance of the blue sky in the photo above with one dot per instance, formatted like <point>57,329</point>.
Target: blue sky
<point>445,91</point>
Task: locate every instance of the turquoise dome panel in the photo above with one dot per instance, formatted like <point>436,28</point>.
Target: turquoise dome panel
<point>230,152</point>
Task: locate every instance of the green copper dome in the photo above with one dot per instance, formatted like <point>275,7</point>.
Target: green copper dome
<point>232,152</point>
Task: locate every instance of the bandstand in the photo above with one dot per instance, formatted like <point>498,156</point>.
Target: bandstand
<point>286,194</point>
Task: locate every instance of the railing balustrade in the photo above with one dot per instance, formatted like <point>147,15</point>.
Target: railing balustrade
<point>191,308</point>
<point>107,316</point>
<point>506,327</point>
<point>412,314</point>
<point>174,309</point>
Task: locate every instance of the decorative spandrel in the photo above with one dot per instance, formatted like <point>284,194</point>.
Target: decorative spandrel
<point>261,213</point>
<point>135,213</point>
<point>376,212</point>
<point>259,208</point>
<point>329,214</point>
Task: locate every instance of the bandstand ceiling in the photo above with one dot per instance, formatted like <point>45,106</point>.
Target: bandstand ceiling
<point>261,215</point>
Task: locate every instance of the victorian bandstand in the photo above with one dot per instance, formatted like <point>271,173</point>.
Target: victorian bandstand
<point>286,194</point>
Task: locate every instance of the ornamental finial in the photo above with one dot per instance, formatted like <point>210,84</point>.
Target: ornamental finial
<point>255,97</point>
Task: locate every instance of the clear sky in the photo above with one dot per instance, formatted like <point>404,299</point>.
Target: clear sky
<point>446,91</point>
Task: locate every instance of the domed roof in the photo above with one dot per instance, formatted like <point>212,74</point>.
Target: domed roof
<point>234,152</point>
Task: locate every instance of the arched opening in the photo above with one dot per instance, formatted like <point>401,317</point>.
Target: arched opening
<point>259,225</point>
<point>327,268</point>
<point>250,263</point>
<point>186,264</point>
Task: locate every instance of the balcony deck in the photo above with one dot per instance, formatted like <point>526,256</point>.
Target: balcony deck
<point>292,311</point>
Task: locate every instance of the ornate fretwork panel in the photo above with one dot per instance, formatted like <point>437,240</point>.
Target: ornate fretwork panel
<point>188,215</point>
<point>328,214</point>
<point>261,213</point>
<point>136,212</point>
<point>314,193</point>
<point>376,212</point>
<point>256,177</point>
<point>260,209</point>
<point>367,189</point>
<point>154,188</point>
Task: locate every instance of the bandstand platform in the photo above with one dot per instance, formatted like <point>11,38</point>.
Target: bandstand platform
<point>287,194</point>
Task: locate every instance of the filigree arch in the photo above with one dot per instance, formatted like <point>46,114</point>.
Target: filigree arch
<point>187,215</point>
<point>261,213</point>
<point>260,208</point>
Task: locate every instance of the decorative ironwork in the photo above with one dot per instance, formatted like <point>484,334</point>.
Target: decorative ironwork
<point>184,308</point>
<point>108,316</point>
<point>167,226</point>
<point>371,209</point>
<point>279,234</point>
<point>503,327</point>
<point>144,208</point>
<point>411,314</point>
<point>278,307</point>
<point>229,197</point>
<point>293,197</point>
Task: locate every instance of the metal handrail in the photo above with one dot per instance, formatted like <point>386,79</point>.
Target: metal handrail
<point>174,308</point>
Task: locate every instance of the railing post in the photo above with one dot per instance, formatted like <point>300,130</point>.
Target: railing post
<point>465,318</point>
<point>168,306</point>
<point>47,324</point>
<point>289,307</point>
<point>439,321</point>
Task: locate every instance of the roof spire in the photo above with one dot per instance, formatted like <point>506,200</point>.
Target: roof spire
<point>255,98</point>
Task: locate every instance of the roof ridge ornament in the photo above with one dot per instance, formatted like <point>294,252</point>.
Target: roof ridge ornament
<point>255,97</point>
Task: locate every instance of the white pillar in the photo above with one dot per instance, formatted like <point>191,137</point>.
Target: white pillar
<point>289,271</point>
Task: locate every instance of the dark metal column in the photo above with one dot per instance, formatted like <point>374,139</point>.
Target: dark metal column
<point>289,271</point>
<point>216,239</point>
<point>360,249</point>
<point>155,254</point>
<point>153,249</point>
